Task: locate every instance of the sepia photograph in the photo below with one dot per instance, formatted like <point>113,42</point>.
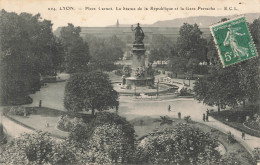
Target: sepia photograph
<point>166,82</point>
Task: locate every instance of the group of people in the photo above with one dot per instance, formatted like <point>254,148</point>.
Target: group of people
<point>169,110</point>
<point>206,116</point>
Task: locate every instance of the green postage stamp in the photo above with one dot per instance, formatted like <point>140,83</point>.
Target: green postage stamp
<point>233,41</point>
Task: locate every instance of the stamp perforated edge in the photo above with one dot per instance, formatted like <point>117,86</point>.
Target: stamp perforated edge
<point>214,38</point>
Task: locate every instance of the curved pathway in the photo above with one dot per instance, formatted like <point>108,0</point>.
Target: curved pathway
<point>52,97</point>
<point>13,129</point>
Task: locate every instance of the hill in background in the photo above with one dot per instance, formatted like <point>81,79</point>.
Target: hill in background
<point>202,21</point>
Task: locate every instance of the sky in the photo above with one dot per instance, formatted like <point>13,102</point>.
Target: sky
<point>78,11</point>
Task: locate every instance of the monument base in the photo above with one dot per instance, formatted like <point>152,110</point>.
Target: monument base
<point>133,81</point>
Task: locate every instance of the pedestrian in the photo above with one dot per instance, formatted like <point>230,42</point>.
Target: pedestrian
<point>243,135</point>
<point>207,112</point>
<point>169,108</point>
<point>207,117</point>
<point>116,109</point>
<point>203,116</point>
<point>40,103</point>
<point>179,115</point>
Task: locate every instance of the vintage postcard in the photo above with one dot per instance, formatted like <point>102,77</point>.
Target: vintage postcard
<point>130,82</point>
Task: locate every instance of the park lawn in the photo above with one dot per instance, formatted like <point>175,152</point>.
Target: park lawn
<point>39,121</point>
<point>148,125</point>
<point>233,120</point>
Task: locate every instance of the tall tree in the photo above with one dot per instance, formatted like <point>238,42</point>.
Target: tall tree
<point>25,54</point>
<point>177,64</point>
<point>161,47</point>
<point>221,87</point>
<point>57,55</point>
<point>234,84</point>
<point>191,46</point>
<point>90,91</point>
<point>77,51</point>
<point>105,51</point>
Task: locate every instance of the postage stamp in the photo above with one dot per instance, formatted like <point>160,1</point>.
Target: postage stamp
<point>233,41</point>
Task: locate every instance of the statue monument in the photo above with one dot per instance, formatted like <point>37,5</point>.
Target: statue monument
<point>141,75</point>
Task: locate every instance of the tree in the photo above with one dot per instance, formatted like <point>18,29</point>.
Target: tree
<point>190,46</point>
<point>90,91</point>
<point>232,85</point>
<point>160,48</point>
<point>181,145</point>
<point>177,64</point>
<point>108,145</point>
<point>25,44</point>
<point>104,52</point>
<point>220,87</point>
<point>57,55</point>
<point>109,135</point>
<point>77,51</point>
<point>116,46</point>
<point>37,148</point>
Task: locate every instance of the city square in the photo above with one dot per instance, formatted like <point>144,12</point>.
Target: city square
<point>134,93</point>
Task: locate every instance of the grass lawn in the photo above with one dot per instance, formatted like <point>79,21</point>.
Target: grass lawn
<point>145,125</point>
<point>236,118</point>
<point>39,121</point>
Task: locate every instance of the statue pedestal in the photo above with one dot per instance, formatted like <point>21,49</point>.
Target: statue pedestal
<point>138,66</point>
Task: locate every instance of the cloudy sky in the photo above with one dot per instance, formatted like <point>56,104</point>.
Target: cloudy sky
<point>78,11</point>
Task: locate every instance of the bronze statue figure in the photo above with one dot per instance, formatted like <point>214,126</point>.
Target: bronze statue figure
<point>139,34</point>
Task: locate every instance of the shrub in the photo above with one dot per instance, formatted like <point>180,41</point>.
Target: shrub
<point>185,92</point>
<point>232,115</point>
<point>66,123</point>
<point>187,119</point>
<point>181,145</point>
<point>37,148</point>
<point>109,144</point>
<point>20,111</point>
<point>230,138</point>
<point>62,153</point>
<point>119,72</point>
<point>113,118</point>
<point>128,86</point>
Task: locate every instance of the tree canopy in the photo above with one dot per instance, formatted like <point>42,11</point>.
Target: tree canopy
<point>28,50</point>
<point>161,47</point>
<point>105,51</point>
<point>181,145</point>
<point>76,50</point>
<point>89,91</point>
<point>37,148</point>
<point>231,85</point>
